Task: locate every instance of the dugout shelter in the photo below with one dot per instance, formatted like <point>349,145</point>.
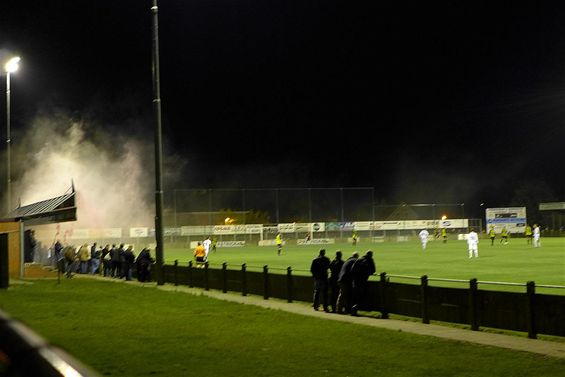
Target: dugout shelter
<point>13,230</point>
<point>557,212</point>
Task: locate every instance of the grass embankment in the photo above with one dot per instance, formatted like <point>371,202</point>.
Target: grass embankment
<point>129,330</point>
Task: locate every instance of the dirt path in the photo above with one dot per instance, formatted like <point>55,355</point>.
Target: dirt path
<point>543,347</point>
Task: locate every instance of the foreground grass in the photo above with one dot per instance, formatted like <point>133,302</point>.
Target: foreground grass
<point>129,330</point>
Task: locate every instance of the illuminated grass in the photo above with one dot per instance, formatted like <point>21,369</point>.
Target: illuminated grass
<point>516,262</point>
<point>129,330</point>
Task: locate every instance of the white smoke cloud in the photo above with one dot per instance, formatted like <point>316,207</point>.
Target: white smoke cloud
<point>112,173</point>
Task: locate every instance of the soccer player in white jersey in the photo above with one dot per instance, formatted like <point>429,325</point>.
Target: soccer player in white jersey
<point>206,243</point>
<point>473,242</point>
<point>536,236</point>
<point>424,234</point>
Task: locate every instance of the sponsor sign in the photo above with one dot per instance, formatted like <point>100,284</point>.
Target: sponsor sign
<point>237,229</point>
<point>139,232</point>
<point>112,233</point>
<point>287,228</point>
<point>172,231</point>
<point>454,223</point>
<point>513,218</point>
<point>318,227</point>
<point>552,206</point>
<point>79,234</point>
<point>316,241</point>
<point>231,244</point>
<point>195,230</point>
<point>269,243</point>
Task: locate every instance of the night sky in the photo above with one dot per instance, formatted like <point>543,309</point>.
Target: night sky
<point>441,102</point>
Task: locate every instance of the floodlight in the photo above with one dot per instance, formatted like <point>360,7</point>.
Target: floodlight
<point>12,65</point>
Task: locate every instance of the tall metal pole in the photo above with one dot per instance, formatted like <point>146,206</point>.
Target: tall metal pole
<point>158,149</point>
<point>8,144</point>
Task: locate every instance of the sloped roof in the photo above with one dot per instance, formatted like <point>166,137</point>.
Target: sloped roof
<point>54,210</point>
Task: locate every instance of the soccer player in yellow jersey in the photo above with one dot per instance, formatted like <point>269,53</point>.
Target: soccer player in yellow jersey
<point>504,236</point>
<point>528,233</point>
<point>492,235</point>
<point>278,239</point>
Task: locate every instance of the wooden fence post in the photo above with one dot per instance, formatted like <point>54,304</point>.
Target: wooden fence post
<point>289,283</point>
<point>266,282</point>
<point>224,277</point>
<point>190,273</point>
<point>424,295</point>
<point>531,295</point>
<point>243,280</point>
<point>382,286</point>
<point>206,282</point>
<point>473,305</point>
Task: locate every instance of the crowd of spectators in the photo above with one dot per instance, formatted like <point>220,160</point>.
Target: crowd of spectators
<point>116,261</point>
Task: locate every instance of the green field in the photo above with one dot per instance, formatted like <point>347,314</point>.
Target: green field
<point>516,262</point>
<point>132,330</point>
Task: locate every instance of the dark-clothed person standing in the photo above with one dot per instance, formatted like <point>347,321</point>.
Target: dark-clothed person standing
<point>319,269</point>
<point>360,272</point>
<point>115,263</point>
<point>59,257</point>
<point>106,266</point>
<point>335,268</point>
<point>127,259</point>
<point>144,262</point>
<point>345,285</point>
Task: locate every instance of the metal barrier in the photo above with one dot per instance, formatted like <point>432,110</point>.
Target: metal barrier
<point>526,310</point>
<point>24,353</point>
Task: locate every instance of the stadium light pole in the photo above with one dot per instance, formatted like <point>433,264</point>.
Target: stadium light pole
<point>158,148</point>
<point>10,67</point>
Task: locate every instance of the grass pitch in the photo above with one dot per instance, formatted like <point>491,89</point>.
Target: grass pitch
<point>516,262</point>
<point>130,330</point>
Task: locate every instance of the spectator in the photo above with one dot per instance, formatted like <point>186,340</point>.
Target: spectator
<point>115,262</point>
<point>106,261</point>
<point>84,255</point>
<point>360,272</point>
<point>345,285</point>
<point>127,259</point>
<point>144,262</point>
<point>319,269</point>
<point>72,261</point>
<point>335,268</point>
<point>59,257</point>
<point>29,245</point>
<point>95,255</point>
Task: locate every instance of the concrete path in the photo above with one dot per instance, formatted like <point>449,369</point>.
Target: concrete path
<point>543,347</point>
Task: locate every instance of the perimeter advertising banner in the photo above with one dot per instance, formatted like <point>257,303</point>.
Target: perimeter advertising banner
<point>513,218</point>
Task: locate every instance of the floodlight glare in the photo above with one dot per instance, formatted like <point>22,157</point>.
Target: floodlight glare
<point>12,65</point>
<point>444,217</point>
